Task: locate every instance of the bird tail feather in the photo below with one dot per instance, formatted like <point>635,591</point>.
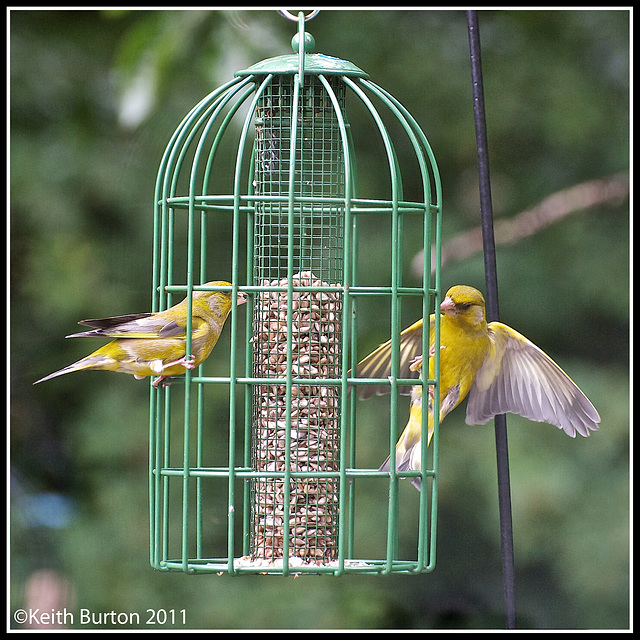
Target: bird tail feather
<point>81,365</point>
<point>403,465</point>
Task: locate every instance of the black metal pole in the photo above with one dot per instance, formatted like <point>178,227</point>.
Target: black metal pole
<point>486,212</point>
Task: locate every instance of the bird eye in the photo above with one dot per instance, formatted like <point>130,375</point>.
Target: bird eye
<point>463,306</point>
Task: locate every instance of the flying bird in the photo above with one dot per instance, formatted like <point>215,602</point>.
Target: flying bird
<point>498,368</point>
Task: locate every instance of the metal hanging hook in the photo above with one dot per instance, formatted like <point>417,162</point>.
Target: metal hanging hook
<point>294,18</point>
<point>303,41</point>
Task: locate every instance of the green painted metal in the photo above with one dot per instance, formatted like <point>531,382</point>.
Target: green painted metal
<point>281,487</point>
<point>314,63</point>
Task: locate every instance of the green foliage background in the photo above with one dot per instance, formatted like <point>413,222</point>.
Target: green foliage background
<point>94,97</point>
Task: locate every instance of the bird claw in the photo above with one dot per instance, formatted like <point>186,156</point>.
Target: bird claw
<point>163,381</point>
<point>188,362</point>
<point>416,363</point>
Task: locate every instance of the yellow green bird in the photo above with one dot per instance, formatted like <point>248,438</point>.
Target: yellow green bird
<point>154,344</point>
<point>499,369</point>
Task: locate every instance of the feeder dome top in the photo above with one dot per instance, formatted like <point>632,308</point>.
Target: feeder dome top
<point>314,63</point>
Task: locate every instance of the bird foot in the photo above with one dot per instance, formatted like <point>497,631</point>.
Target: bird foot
<point>163,381</point>
<point>187,362</point>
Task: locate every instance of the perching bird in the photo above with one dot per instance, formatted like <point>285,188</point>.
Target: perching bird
<point>500,369</point>
<point>154,344</point>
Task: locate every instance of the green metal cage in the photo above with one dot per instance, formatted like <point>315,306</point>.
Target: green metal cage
<point>280,492</point>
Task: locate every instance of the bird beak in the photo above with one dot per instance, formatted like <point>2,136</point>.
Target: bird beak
<point>242,298</point>
<point>448,306</point>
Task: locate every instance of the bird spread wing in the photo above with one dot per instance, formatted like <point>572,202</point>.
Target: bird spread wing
<point>378,363</point>
<point>518,377</point>
<point>142,325</point>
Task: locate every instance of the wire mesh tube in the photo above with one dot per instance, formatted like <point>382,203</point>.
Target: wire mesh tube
<point>297,324</point>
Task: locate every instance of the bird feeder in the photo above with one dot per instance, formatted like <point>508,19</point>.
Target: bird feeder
<point>281,492</point>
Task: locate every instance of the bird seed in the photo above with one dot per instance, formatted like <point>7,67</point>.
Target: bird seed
<point>304,512</point>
